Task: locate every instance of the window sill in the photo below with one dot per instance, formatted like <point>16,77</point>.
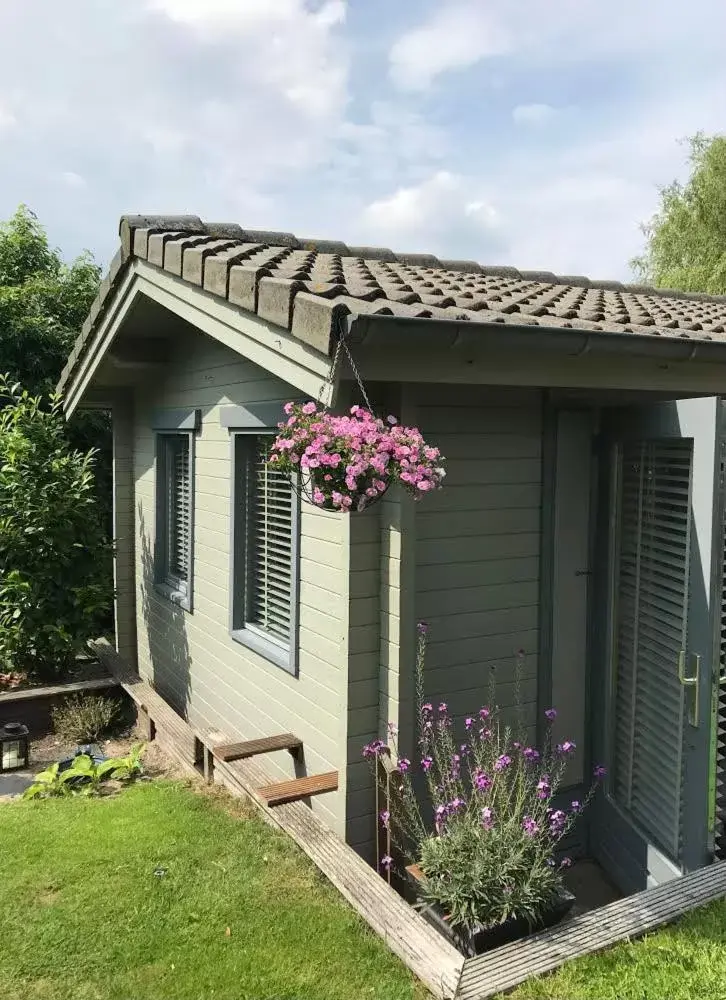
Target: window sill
<point>173,594</point>
<point>279,655</point>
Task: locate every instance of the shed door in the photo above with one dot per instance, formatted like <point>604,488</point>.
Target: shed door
<point>651,633</point>
<point>653,722</point>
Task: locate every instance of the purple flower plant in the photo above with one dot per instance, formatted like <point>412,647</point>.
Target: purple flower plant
<point>544,789</point>
<point>502,762</point>
<point>482,781</point>
<point>530,754</point>
<point>426,763</point>
<point>551,714</point>
<point>487,817</point>
<point>385,818</point>
<point>530,826</point>
<point>567,747</point>
<point>386,862</point>
<point>404,764</point>
<point>599,772</point>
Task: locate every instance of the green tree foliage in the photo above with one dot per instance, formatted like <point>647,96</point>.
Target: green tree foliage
<point>55,561</point>
<point>43,302</point>
<point>686,238</point>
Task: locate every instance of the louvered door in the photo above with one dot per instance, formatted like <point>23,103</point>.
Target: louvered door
<point>719,779</point>
<point>651,630</point>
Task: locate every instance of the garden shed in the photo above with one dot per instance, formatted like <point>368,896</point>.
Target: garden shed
<point>581,521</point>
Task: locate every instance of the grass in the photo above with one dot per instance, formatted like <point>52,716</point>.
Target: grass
<point>685,961</point>
<point>238,913</point>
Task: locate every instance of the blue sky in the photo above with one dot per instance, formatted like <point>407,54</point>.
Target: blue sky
<point>533,133</point>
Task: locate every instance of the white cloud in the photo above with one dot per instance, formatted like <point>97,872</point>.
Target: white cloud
<point>455,36</point>
<point>440,215</point>
<point>7,118</point>
<point>72,179</point>
<point>534,114</point>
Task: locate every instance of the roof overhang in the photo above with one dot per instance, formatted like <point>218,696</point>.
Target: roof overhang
<point>431,350</point>
<point>265,344</point>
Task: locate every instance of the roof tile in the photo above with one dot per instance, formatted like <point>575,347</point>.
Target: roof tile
<point>307,285</point>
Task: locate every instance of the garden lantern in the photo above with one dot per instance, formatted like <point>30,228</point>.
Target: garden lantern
<point>14,746</point>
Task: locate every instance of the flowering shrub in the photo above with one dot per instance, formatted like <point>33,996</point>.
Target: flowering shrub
<point>349,461</point>
<point>487,852</point>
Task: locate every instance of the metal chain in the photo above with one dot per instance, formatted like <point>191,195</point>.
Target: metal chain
<point>329,381</point>
<point>355,371</point>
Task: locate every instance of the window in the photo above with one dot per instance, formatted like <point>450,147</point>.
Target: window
<point>174,517</point>
<point>264,599</point>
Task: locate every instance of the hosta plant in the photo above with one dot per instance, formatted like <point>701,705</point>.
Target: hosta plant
<point>347,462</point>
<point>85,776</point>
<point>487,838</point>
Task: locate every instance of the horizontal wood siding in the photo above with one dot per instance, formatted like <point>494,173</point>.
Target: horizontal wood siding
<point>212,680</point>
<point>478,545</point>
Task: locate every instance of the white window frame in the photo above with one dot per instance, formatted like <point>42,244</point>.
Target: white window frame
<point>168,425</point>
<point>282,654</point>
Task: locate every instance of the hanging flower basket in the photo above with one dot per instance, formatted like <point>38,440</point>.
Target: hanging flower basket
<point>348,462</point>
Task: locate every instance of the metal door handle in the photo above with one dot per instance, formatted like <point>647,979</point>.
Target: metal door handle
<point>694,682</point>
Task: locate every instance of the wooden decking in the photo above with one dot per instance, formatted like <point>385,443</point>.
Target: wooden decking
<point>506,967</point>
<point>251,748</point>
<point>417,944</point>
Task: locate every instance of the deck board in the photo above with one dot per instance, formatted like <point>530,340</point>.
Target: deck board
<point>506,967</point>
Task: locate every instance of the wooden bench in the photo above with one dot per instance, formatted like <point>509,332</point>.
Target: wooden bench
<point>250,748</point>
<point>299,788</point>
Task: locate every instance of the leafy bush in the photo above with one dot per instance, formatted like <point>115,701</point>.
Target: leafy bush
<point>488,852</point>
<point>85,776</point>
<point>84,719</point>
<point>55,562</point>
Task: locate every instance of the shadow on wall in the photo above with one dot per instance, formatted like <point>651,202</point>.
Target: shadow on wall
<point>165,627</point>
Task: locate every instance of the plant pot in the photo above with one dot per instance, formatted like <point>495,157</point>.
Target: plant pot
<point>480,939</point>
<point>308,483</point>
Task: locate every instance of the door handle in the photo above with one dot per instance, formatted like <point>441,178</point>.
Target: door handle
<point>694,682</point>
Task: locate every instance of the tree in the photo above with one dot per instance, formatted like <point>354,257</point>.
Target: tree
<point>686,238</point>
<point>55,561</point>
<point>43,302</point>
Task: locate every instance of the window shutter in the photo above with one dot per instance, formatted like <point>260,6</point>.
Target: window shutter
<point>652,591</point>
<point>270,522</point>
<point>179,507</point>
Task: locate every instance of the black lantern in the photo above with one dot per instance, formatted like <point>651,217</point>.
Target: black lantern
<point>14,746</point>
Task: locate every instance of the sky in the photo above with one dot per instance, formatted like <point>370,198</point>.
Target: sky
<point>533,133</point>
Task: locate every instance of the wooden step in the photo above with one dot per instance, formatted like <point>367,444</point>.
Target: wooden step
<point>298,788</point>
<point>250,748</point>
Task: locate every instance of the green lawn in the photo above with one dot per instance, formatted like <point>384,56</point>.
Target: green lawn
<point>686,961</point>
<point>239,914</point>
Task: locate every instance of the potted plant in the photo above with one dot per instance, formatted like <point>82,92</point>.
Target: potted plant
<point>348,462</point>
<point>485,866</point>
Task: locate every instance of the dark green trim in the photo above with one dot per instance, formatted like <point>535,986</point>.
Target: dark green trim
<point>253,416</point>
<point>176,420</point>
<point>547,561</point>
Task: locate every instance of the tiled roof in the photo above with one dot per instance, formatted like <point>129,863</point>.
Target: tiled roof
<point>306,285</point>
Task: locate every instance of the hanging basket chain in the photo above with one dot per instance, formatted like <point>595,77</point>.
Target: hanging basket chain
<point>330,380</point>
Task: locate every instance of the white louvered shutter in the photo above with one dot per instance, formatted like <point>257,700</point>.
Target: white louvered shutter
<point>178,507</point>
<point>652,605</point>
<point>270,526</point>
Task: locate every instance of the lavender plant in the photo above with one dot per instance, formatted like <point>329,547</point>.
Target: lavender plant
<point>487,849</point>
